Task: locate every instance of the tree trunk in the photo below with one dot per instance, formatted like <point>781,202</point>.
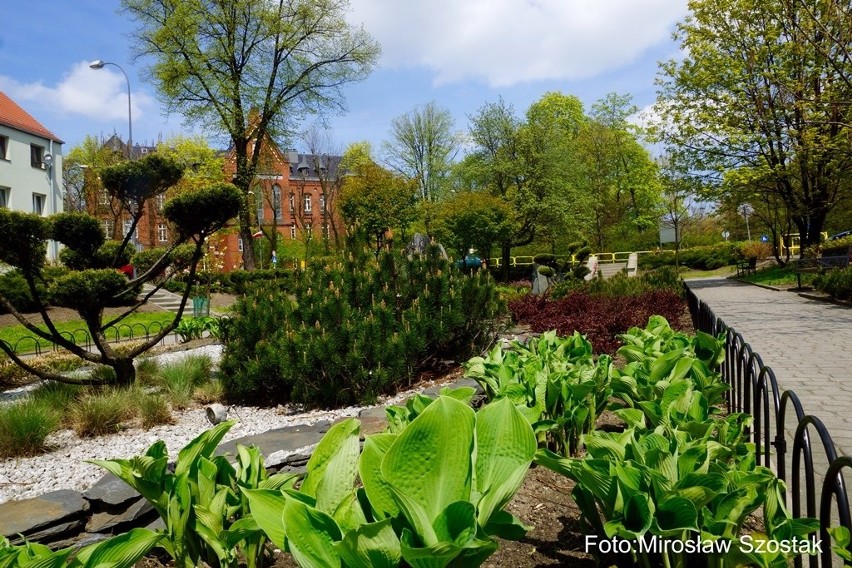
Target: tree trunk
<point>125,372</point>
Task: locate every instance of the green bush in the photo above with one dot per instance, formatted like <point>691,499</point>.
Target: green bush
<point>103,413</point>
<point>13,287</point>
<point>24,427</point>
<point>839,247</point>
<point>180,257</point>
<point>355,329</point>
<point>835,283</point>
<point>698,258</point>
<point>154,411</point>
<point>665,278</point>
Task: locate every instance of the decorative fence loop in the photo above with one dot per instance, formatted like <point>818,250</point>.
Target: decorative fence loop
<point>32,345</point>
<point>754,390</point>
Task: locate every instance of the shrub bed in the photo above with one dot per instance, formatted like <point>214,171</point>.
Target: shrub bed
<point>601,318</point>
<point>354,329</point>
<point>699,258</point>
<point>835,283</point>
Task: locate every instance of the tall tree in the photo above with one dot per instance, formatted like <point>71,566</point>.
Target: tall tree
<point>472,220</point>
<point>325,154</point>
<point>373,200</point>
<point>757,93</point>
<point>423,147</point>
<point>250,68</point>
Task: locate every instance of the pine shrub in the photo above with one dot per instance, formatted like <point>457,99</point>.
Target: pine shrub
<point>354,329</point>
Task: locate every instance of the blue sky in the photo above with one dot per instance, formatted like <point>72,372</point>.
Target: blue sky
<point>458,54</point>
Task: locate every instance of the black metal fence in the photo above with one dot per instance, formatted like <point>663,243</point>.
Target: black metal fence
<point>754,390</point>
<point>32,345</point>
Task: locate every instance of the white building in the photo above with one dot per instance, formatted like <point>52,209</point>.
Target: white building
<point>30,164</point>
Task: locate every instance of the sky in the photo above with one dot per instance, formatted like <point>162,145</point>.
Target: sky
<point>459,54</point>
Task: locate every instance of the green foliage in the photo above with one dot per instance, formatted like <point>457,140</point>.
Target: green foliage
<point>201,500</point>
<point>14,287</point>
<point>88,291</point>
<point>79,232</point>
<point>154,411</point>
<point>554,382</point>
<point>836,283</point>
<point>472,220</point>
<point>179,259</point>
<point>24,427</point>
<point>699,258</point>
<point>433,495</point>
<point>102,413</point>
<point>205,211</point>
<point>119,551</point>
<point>194,327</point>
<point>134,181</point>
<point>838,247</point>
<point>355,329</point>
<point>23,240</point>
<point>755,250</point>
<point>666,278</point>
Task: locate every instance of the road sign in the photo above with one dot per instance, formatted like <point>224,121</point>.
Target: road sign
<point>726,234</point>
<point>764,239</point>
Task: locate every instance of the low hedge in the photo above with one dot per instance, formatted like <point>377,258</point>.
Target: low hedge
<point>835,283</point>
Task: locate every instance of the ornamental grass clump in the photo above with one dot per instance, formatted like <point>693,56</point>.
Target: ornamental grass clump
<point>24,428</point>
<point>354,329</point>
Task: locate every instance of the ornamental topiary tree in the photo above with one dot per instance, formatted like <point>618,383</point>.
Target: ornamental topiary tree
<point>94,280</point>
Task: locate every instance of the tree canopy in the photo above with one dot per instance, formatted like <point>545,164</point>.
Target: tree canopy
<point>250,68</point>
<point>762,95</point>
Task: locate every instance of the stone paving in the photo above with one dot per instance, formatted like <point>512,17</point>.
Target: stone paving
<point>807,342</point>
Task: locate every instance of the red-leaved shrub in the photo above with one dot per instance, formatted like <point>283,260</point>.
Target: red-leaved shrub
<point>600,318</point>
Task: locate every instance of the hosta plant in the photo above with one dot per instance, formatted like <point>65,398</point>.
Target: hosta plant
<point>200,501</point>
<point>122,551</point>
<point>555,383</point>
<point>430,496</point>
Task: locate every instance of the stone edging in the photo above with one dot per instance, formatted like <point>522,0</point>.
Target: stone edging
<point>67,518</point>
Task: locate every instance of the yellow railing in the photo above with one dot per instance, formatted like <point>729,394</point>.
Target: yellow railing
<point>603,258</point>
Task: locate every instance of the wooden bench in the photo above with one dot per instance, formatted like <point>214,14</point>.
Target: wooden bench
<point>746,267</point>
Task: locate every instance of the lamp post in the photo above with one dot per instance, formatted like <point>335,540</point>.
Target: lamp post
<point>99,64</point>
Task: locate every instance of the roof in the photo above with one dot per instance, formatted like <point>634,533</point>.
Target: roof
<point>13,116</point>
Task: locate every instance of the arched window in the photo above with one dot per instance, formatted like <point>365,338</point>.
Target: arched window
<point>276,202</point>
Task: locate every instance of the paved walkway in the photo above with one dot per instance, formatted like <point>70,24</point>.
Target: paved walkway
<point>808,343</point>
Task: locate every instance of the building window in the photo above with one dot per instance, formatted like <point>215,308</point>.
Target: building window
<point>108,228</point>
<point>4,147</point>
<point>322,203</point>
<point>326,233</point>
<point>127,224</point>
<point>259,204</point>
<point>276,202</point>
<point>162,232</point>
<point>161,200</point>
<point>240,244</point>
<point>37,156</point>
<point>292,202</point>
<point>293,232</point>
<point>103,197</point>
<point>38,203</point>
<point>4,196</point>
<point>309,231</point>
<point>308,207</point>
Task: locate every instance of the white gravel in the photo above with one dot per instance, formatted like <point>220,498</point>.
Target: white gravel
<point>64,467</point>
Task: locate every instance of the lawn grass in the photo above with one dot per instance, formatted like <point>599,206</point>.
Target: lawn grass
<point>778,276</point>
<point>724,271</point>
<point>23,341</point>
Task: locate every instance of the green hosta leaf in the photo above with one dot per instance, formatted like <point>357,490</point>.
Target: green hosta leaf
<point>472,554</point>
<point>202,446</point>
<point>373,545</point>
<point>311,534</point>
<point>332,467</point>
<point>506,526</point>
<point>608,445</point>
<point>369,470</point>
<point>708,349</point>
<point>462,394</point>
<point>636,519</point>
<point>429,464</point>
<point>675,515</point>
<point>663,366</point>
<point>842,543</point>
<point>349,514</point>
<point>506,446</point>
<point>632,417</point>
<point>267,508</point>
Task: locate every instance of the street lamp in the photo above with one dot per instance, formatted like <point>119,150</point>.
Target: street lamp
<point>746,210</point>
<point>99,64</point>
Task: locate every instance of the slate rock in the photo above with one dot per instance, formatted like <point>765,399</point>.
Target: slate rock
<point>115,523</point>
<point>281,441</point>
<point>39,514</point>
<point>110,492</point>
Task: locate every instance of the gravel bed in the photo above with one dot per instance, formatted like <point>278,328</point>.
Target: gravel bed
<point>64,467</point>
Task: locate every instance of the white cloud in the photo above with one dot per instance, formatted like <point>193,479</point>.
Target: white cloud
<point>507,42</point>
<point>97,94</point>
